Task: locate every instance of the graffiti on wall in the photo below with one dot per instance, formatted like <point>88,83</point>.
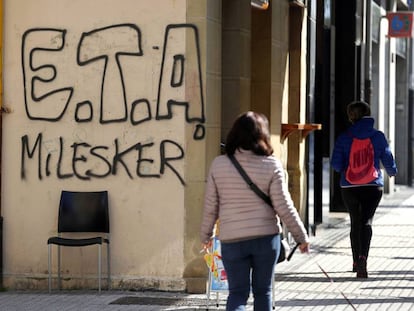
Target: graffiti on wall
<point>47,97</point>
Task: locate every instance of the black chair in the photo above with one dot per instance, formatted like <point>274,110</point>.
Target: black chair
<point>82,212</point>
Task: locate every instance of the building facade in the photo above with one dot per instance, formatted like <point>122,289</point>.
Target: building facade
<point>366,62</point>
<point>136,96</point>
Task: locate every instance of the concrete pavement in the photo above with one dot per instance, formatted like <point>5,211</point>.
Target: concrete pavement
<point>299,284</point>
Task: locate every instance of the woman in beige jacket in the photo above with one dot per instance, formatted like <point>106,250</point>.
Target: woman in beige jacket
<point>249,228</point>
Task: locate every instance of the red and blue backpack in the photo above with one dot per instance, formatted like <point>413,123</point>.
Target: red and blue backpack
<point>361,169</point>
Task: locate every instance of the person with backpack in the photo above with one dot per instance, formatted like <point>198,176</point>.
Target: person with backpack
<point>357,155</point>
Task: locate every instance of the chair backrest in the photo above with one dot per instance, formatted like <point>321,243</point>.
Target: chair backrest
<point>81,211</point>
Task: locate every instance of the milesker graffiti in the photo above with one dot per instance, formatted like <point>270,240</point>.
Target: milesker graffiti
<point>83,159</point>
<point>48,94</point>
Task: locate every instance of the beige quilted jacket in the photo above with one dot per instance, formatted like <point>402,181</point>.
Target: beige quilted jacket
<point>243,214</point>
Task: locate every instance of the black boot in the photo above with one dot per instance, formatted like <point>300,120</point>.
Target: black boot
<point>361,268</point>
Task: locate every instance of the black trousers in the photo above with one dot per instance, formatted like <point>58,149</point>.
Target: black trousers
<point>361,203</point>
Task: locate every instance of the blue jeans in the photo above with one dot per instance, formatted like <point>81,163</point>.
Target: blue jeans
<point>248,264</point>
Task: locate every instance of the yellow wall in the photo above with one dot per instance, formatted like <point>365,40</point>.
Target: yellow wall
<point>145,129</point>
<point>78,127</point>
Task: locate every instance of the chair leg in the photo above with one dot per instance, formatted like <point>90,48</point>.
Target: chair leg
<point>49,263</point>
<point>59,281</point>
<point>99,266</point>
<point>108,259</point>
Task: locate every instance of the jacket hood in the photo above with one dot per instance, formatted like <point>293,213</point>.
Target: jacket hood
<point>363,128</point>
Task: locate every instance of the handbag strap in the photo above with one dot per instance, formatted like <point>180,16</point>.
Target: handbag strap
<point>251,184</point>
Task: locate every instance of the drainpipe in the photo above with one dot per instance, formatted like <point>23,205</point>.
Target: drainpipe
<point>1,145</point>
<point>410,105</point>
<point>368,51</point>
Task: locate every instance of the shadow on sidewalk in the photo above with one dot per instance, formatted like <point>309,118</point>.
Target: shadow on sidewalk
<point>371,302</point>
<point>318,277</point>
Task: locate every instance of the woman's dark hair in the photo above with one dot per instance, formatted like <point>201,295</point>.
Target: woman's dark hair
<point>250,131</point>
<point>357,110</point>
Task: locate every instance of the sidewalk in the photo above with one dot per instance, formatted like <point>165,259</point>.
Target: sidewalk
<point>390,286</point>
<point>299,284</point>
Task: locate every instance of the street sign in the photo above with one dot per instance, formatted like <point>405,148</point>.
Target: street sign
<point>400,24</point>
